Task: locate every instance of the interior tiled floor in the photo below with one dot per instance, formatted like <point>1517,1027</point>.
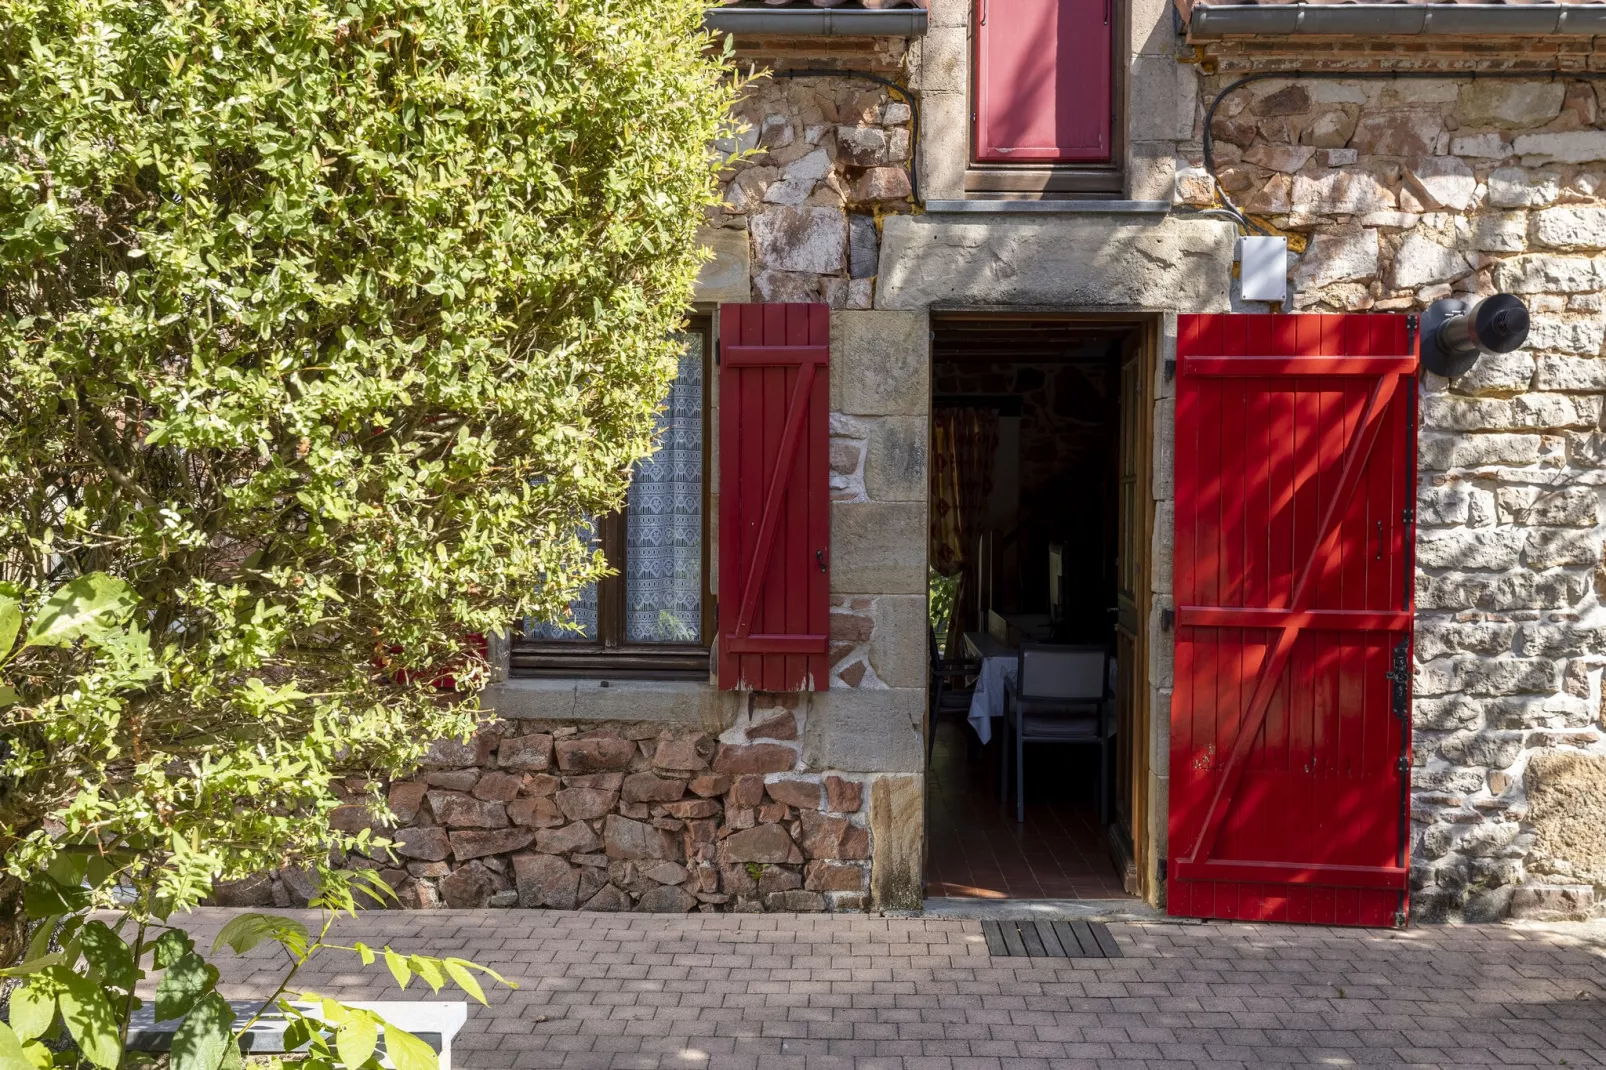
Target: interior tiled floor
<point>975,847</point>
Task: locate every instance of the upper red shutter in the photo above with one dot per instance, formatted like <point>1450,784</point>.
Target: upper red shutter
<point>774,497</point>
<point>1292,570</point>
<point>1043,81</point>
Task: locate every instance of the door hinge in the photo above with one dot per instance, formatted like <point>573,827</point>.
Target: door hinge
<point>1408,516</point>
<point>717,347</point>
<point>1160,871</point>
<point>1412,323</point>
<point>1170,370</point>
<point>1168,619</point>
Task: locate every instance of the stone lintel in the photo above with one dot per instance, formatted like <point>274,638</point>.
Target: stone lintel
<point>1068,263</point>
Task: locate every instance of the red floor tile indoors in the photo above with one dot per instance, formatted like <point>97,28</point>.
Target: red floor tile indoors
<point>977,850</point>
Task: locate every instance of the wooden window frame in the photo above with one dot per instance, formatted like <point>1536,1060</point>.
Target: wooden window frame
<point>609,654</point>
<point>1051,181</point>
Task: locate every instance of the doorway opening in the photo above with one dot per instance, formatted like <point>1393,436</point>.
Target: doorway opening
<point>1041,513</point>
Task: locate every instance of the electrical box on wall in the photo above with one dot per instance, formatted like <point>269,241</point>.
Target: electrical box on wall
<point>1264,268</point>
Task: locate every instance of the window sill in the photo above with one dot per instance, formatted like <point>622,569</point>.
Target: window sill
<point>594,699</point>
<point>1043,181</point>
<point>1077,207</point>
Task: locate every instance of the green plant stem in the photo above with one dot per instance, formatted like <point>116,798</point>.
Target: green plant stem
<point>128,1004</point>
<point>269,1002</point>
<point>328,920</point>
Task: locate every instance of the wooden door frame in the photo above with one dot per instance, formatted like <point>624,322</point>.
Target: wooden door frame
<point>1141,866</point>
<point>1134,851</point>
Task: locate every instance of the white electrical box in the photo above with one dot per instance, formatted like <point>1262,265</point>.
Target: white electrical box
<point>1264,268</point>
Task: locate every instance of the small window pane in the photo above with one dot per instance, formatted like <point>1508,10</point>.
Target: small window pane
<point>583,610</point>
<point>664,519</point>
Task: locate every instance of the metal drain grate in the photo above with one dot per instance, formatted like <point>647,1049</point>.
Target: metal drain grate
<point>1050,939</point>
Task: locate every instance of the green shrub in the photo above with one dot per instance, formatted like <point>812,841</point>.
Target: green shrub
<point>323,326</point>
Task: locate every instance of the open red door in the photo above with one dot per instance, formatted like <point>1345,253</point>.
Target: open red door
<point>1292,572</point>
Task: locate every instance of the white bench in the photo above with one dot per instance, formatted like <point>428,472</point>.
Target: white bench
<point>435,1023</point>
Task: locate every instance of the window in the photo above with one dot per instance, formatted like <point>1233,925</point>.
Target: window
<point>655,617</point>
<point>1043,107</point>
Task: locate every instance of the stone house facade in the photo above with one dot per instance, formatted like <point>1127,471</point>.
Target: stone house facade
<point>1404,162</point>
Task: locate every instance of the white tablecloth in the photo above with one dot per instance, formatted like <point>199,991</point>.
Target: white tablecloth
<point>988,701</point>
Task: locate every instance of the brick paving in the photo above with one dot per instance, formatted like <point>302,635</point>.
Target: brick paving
<point>921,993</point>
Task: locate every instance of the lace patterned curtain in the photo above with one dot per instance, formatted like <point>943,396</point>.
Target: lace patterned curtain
<point>663,568</point>
<point>664,518</point>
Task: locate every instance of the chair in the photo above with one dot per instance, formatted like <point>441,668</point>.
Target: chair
<point>1061,694</point>
<point>949,690</point>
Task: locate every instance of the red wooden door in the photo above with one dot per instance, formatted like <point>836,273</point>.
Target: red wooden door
<point>774,497</point>
<point>1292,573</point>
<point>1043,81</point>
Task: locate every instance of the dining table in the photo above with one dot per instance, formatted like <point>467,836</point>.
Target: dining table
<point>999,664</point>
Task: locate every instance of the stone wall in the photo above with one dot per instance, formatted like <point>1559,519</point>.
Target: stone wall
<point>828,157</point>
<point>1408,191</point>
<point>632,816</point>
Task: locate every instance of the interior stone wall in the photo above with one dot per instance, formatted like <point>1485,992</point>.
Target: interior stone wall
<point>1402,192</point>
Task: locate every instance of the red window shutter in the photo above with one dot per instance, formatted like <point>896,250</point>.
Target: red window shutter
<point>1292,572</point>
<point>1043,80</point>
<point>774,497</point>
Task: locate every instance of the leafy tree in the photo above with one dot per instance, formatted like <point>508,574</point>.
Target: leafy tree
<point>324,325</point>
<point>73,1003</point>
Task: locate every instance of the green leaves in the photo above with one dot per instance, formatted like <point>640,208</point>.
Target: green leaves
<point>435,971</point>
<point>184,982</point>
<point>325,329</point>
<point>407,1052</point>
<point>430,969</point>
<point>459,971</point>
<point>397,964</point>
<point>245,931</point>
<point>355,1040</point>
<point>89,1017</point>
<point>32,965</point>
<point>33,1009</point>
<point>339,890</point>
<point>10,621</point>
<point>20,1053</point>
<point>206,1036</point>
<point>171,946</point>
<point>11,1053</point>
<point>106,952</point>
<point>86,608</point>
<point>44,898</point>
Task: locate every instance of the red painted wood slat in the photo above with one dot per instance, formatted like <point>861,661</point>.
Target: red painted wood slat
<point>1043,81</point>
<point>774,497</point>
<point>1294,485</point>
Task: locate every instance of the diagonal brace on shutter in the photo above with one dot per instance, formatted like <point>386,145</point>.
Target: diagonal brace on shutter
<point>1195,863</point>
<point>741,639</point>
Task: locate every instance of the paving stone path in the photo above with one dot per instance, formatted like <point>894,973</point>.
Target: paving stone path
<point>912,993</point>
